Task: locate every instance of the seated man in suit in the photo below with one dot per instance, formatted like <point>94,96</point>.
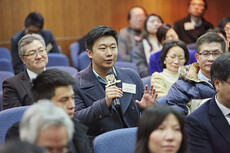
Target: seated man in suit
<point>101,106</point>
<point>56,85</point>
<point>208,127</point>
<point>194,25</point>
<point>130,36</point>
<point>47,126</point>
<point>16,90</point>
<point>194,85</point>
<point>33,24</point>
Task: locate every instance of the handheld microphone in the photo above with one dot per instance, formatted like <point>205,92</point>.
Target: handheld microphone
<point>110,77</point>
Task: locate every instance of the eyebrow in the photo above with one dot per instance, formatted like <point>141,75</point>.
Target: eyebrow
<point>211,50</point>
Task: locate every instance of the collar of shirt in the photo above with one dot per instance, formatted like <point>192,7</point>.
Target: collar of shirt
<point>196,24</point>
<point>31,74</point>
<point>224,110</point>
<point>100,79</point>
<point>202,77</point>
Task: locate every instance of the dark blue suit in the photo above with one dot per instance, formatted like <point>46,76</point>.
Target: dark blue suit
<point>208,130</point>
<point>91,108</point>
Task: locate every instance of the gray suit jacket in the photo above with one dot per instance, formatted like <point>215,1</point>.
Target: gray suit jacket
<point>16,91</point>
<point>91,108</point>
<point>208,130</point>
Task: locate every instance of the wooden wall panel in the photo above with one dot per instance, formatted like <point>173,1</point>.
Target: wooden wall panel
<point>71,19</point>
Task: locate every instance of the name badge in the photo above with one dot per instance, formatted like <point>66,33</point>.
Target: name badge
<point>129,88</point>
<point>189,26</point>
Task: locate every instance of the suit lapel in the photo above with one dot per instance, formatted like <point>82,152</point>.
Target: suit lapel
<point>90,85</point>
<point>218,120</point>
<point>127,97</point>
<point>26,82</point>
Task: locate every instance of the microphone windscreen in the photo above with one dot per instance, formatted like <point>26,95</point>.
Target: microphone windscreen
<point>110,77</point>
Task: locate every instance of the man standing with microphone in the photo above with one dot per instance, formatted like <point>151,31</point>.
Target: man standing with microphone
<point>95,93</point>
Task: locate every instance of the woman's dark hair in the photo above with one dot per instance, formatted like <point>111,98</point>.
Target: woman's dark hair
<point>223,22</point>
<point>162,31</point>
<point>150,120</point>
<point>145,33</point>
<point>168,45</point>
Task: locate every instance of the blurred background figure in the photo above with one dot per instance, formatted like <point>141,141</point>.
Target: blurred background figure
<point>130,36</point>
<point>194,25</point>
<point>20,147</point>
<point>164,33</point>
<point>161,130</point>
<point>33,24</point>
<point>173,55</point>
<point>149,44</point>
<point>225,25</point>
<point>48,126</point>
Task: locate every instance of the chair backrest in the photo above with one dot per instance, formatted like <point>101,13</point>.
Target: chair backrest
<point>57,59</point>
<point>6,65</point>
<point>124,64</point>
<point>83,60</point>
<point>8,118</point>
<point>71,70</point>
<point>1,107</point>
<point>146,81</point>
<point>5,54</point>
<point>3,76</point>
<point>116,141</point>
<point>74,50</point>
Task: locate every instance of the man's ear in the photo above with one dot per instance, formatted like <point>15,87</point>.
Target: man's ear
<point>90,53</point>
<point>22,58</point>
<point>216,83</point>
<point>197,57</point>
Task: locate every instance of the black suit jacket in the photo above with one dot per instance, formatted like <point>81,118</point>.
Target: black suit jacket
<point>190,36</point>
<point>16,91</point>
<point>18,64</point>
<point>208,130</point>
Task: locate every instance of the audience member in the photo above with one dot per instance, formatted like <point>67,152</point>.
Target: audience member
<point>161,130</point>
<point>16,90</point>
<point>47,126</point>
<point>225,25</point>
<point>194,83</point>
<point>173,55</point>
<point>165,32</point>
<point>194,25</point>
<point>56,85</point>
<point>33,24</point>
<point>149,44</point>
<point>95,101</point>
<point>20,147</point>
<point>208,126</point>
<point>130,36</point>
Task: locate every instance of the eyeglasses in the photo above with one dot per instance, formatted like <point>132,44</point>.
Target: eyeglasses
<point>226,29</point>
<point>208,54</point>
<point>179,58</point>
<point>35,53</point>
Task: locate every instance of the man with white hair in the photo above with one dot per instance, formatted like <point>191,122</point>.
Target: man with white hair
<point>48,126</point>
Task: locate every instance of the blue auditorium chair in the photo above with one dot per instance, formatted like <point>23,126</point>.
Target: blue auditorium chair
<point>57,59</point>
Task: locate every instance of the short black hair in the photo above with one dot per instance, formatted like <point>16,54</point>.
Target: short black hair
<point>205,4</point>
<point>210,37</point>
<point>46,82</point>
<point>98,32</point>
<point>223,22</point>
<point>220,68</point>
<point>35,19</point>
<point>162,30</point>
<point>168,45</point>
<point>16,146</point>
